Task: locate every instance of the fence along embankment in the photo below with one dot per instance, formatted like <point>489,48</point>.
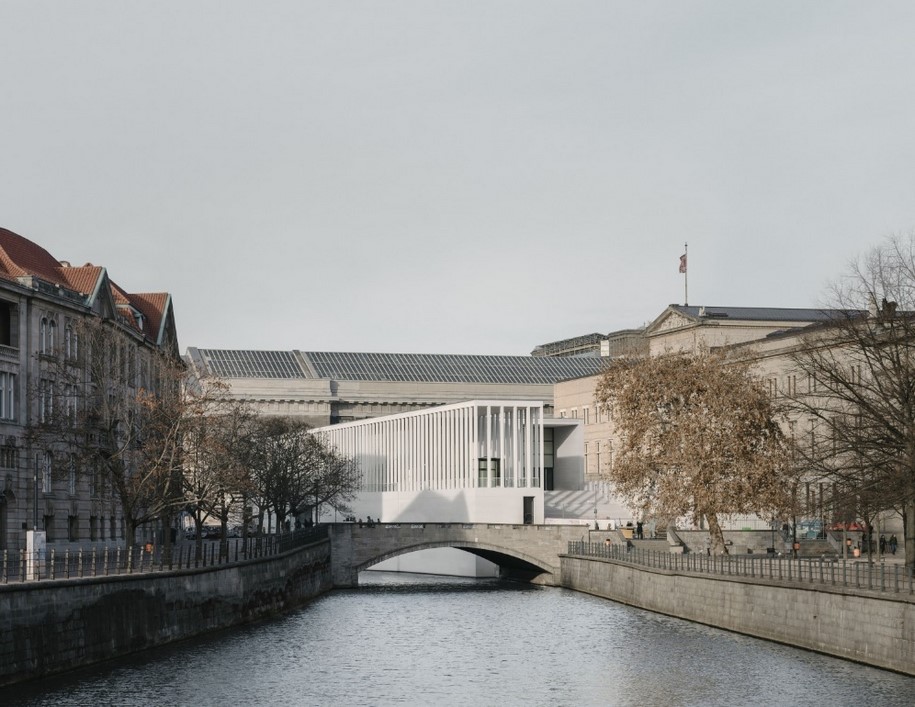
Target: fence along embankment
<point>802,603</point>
<point>52,625</point>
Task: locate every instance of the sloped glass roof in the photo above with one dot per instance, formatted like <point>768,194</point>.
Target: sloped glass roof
<point>449,368</point>
<point>226,363</point>
<point>400,368</point>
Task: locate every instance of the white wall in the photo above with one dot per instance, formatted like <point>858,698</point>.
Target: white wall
<point>489,505</point>
<point>568,461</point>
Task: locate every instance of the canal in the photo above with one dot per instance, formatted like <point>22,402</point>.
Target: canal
<point>421,640</point>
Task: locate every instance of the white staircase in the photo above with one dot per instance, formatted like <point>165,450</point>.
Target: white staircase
<point>581,504</point>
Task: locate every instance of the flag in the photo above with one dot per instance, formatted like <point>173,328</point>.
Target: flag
<point>683,263</point>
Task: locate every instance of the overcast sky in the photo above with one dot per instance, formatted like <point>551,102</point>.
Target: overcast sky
<point>455,177</point>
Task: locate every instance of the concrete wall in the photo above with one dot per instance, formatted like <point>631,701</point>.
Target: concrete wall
<point>877,630</point>
<point>51,626</point>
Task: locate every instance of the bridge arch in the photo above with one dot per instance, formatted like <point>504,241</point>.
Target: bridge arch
<point>525,552</point>
<point>512,562</point>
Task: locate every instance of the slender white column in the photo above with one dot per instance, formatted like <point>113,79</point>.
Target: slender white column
<point>516,470</point>
<point>489,451</point>
<point>504,452</point>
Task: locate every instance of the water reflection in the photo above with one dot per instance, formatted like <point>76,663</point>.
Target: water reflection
<point>420,640</point>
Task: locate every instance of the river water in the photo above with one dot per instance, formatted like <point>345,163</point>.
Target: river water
<point>421,640</point>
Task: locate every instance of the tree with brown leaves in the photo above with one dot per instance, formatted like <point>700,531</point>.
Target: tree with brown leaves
<point>697,437</point>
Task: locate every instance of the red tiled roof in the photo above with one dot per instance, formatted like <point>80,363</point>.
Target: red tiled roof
<point>120,297</point>
<point>83,279</point>
<point>21,257</point>
<point>152,305</point>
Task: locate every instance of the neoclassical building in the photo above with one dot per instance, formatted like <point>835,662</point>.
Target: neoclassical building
<point>763,335</point>
<point>43,302</point>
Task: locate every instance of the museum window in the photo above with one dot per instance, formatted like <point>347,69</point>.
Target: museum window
<point>7,457</point>
<point>7,396</point>
<point>548,459</point>
<point>7,331</point>
<point>484,470</point>
<point>71,342</point>
<point>45,400</point>
<point>47,336</point>
<point>71,475</point>
<point>46,472</point>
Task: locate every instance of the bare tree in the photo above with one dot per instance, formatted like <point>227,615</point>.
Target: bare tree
<point>294,471</point>
<point>335,480</point>
<point>859,404</point>
<point>698,438</point>
<point>116,410</point>
<point>216,480</point>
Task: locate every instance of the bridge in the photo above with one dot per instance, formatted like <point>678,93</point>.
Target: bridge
<point>524,552</point>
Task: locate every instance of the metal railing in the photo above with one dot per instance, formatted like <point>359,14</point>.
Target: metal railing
<point>20,566</point>
<point>855,575</point>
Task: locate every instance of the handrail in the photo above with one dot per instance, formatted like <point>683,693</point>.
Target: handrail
<point>104,561</point>
<point>856,576</point>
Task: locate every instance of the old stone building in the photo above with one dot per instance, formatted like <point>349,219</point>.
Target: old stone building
<point>44,303</point>
<point>765,336</point>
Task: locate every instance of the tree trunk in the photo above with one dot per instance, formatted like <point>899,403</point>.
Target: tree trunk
<point>716,535</point>
<point>167,520</point>
<point>908,532</point>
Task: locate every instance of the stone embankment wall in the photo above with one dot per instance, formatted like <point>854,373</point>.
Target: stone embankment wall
<point>876,630</point>
<point>55,625</point>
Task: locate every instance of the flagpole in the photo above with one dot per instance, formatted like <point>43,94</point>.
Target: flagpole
<point>686,276</point>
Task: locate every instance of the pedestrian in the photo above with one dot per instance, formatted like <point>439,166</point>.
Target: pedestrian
<point>882,544</point>
<point>360,521</point>
<point>638,530</point>
<point>894,543</point>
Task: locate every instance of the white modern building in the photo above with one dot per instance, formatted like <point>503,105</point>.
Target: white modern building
<point>471,462</point>
<point>480,461</point>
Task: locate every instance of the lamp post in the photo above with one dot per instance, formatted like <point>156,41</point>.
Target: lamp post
<point>35,481</point>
